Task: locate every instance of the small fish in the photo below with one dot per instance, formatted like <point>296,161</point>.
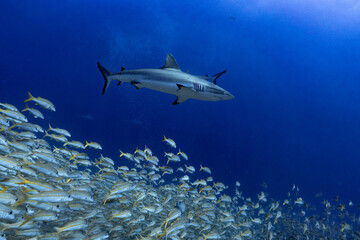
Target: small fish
<point>42,102</point>
<point>59,131</point>
<point>128,156</point>
<point>94,145</point>
<point>9,107</point>
<point>75,144</point>
<point>14,115</point>
<point>182,154</point>
<point>4,122</point>
<point>121,214</point>
<point>189,169</point>
<point>170,142</point>
<point>205,169</point>
<point>173,158</point>
<point>36,113</point>
<point>299,201</point>
<point>262,197</point>
<point>72,226</point>
<point>55,196</point>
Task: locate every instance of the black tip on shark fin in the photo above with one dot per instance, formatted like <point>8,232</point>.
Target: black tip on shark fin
<point>135,82</point>
<point>176,101</point>
<point>179,86</point>
<point>105,73</point>
<point>122,68</point>
<point>216,76</point>
<point>180,99</point>
<point>119,83</point>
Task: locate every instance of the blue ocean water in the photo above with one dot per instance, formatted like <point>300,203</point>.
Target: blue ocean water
<point>293,68</point>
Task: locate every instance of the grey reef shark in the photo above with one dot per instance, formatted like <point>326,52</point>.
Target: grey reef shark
<point>170,79</point>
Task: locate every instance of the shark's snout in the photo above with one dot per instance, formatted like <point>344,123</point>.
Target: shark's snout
<point>228,96</point>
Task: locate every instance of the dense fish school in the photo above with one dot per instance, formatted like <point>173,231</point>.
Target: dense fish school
<point>51,189</point>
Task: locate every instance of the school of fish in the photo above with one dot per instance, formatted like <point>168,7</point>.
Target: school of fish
<point>51,189</point>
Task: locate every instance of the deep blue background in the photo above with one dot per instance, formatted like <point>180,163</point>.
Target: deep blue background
<point>293,68</point>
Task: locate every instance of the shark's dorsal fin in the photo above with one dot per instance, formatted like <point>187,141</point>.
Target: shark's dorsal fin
<point>170,62</point>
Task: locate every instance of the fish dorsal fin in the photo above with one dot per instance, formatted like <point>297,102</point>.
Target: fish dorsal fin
<point>170,62</point>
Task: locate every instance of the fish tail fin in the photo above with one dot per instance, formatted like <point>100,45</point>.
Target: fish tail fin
<point>87,144</point>
<point>105,73</point>
<point>4,188</point>
<point>59,230</point>
<point>30,97</point>
<point>25,109</point>
<point>164,139</point>
<point>201,167</point>
<point>27,218</point>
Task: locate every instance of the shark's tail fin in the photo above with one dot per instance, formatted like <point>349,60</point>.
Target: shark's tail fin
<point>105,73</point>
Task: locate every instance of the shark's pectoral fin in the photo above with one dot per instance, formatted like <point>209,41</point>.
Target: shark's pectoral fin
<point>179,100</point>
<point>183,94</point>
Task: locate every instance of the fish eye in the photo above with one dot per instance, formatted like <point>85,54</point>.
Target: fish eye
<point>3,235</point>
<point>58,206</point>
<point>11,212</point>
<point>69,196</point>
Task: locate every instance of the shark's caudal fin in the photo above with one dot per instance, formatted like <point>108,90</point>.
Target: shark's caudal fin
<point>105,73</point>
